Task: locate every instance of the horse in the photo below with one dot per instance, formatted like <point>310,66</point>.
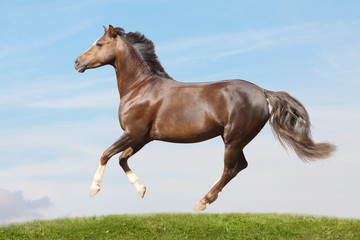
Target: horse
<point>153,106</point>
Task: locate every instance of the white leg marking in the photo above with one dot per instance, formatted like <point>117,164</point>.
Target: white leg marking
<point>95,186</point>
<point>135,181</point>
<point>199,207</point>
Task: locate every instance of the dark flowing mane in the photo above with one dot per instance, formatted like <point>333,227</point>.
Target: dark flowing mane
<point>145,49</point>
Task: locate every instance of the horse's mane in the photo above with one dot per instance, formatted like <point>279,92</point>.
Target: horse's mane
<point>145,49</point>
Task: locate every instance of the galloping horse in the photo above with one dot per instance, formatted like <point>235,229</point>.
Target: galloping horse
<point>153,106</point>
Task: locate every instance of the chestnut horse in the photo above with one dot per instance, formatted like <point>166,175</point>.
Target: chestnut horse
<point>153,106</point>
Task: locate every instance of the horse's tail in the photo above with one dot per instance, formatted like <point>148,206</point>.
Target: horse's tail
<point>291,124</point>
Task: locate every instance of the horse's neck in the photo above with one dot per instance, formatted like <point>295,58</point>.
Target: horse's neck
<point>130,71</point>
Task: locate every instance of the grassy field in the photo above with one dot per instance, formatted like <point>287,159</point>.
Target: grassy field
<point>187,226</point>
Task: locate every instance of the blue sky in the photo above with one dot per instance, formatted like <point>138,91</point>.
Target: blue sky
<point>55,123</point>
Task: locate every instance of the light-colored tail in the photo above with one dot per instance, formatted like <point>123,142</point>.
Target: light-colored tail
<point>291,124</point>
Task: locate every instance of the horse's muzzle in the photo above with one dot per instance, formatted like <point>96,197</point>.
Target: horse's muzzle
<point>80,66</point>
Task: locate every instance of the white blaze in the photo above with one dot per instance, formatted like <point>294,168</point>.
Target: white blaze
<point>95,42</point>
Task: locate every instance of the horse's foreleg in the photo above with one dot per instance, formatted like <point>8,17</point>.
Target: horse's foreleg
<point>120,145</point>
<point>134,180</point>
<point>234,162</point>
<point>95,185</point>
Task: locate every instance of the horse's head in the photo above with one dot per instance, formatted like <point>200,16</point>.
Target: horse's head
<point>101,53</point>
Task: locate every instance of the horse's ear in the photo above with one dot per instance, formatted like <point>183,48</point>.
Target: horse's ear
<point>112,31</point>
<point>105,29</point>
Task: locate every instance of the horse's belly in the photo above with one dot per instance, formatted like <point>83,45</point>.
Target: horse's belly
<point>185,129</point>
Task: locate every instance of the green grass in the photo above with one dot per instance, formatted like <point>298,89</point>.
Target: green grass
<point>187,226</point>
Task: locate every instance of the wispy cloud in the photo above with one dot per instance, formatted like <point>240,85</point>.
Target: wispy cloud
<point>5,51</point>
<point>71,6</point>
<point>30,33</point>
<point>68,138</point>
<point>102,99</point>
<point>61,92</point>
<point>186,52</point>
<point>224,45</point>
<point>341,65</point>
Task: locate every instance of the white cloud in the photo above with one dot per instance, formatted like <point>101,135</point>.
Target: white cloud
<point>15,208</point>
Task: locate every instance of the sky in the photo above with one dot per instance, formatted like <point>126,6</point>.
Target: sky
<point>55,123</point>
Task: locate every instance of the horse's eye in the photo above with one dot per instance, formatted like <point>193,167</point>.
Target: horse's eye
<point>99,44</point>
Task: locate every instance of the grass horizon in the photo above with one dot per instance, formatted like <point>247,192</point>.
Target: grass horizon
<point>178,213</point>
<point>187,226</point>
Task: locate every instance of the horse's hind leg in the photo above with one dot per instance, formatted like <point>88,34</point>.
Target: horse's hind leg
<point>234,162</point>
<point>134,180</point>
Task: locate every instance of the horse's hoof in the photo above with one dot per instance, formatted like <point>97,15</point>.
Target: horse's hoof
<point>199,207</point>
<point>94,190</point>
<point>141,191</point>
